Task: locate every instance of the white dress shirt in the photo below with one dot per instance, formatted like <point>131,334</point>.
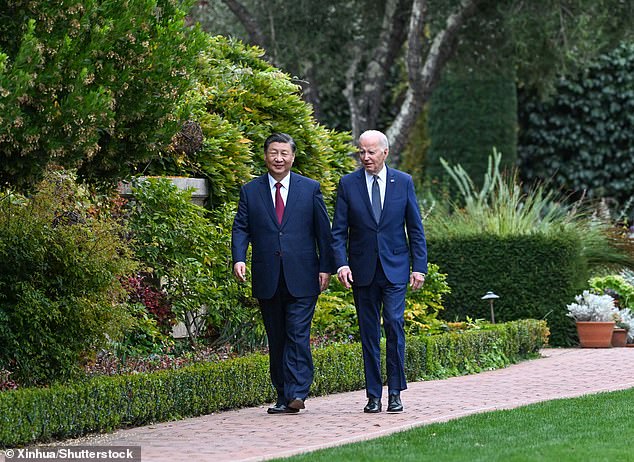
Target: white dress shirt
<point>369,180</point>
<point>283,190</point>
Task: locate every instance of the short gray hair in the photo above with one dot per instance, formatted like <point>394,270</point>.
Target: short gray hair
<point>380,135</point>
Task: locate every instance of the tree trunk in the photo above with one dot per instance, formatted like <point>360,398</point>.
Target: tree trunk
<point>423,78</point>
<point>250,23</point>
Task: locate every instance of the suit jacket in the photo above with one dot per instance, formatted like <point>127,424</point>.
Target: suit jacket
<point>358,239</point>
<point>301,245</point>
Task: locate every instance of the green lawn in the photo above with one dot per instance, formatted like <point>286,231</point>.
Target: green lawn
<point>591,428</point>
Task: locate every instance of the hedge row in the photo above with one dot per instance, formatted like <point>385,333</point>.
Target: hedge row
<point>102,404</point>
<point>467,118</point>
<point>534,275</point>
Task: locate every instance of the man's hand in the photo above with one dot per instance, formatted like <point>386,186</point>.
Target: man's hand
<point>416,280</point>
<point>324,280</point>
<point>345,277</point>
<point>240,271</point>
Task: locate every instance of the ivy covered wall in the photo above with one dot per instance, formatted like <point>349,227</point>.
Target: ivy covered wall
<point>582,138</point>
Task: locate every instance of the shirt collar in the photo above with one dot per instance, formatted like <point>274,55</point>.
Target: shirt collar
<point>285,181</point>
<point>382,175</point>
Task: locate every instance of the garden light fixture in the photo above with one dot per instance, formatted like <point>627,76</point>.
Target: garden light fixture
<point>491,296</point>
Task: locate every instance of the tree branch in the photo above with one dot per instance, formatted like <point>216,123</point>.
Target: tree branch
<point>392,36</point>
<point>348,92</point>
<point>250,23</point>
<point>423,79</point>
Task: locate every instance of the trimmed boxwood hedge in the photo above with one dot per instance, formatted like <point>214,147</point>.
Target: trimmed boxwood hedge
<point>105,403</point>
<point>535,276</point>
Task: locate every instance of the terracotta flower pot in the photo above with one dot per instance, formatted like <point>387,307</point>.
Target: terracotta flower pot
<point>595,334</point>
<point>619,337</point>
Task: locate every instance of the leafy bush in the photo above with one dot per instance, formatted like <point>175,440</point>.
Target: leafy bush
<point>105,403</point>
<point>60,295</point>
<point>240,100</point>
<point>143,336</point>
<point>616,286</point>
<point>335,314</point>
<point>423,306</point>
<point>89,84</point>
<point>155,301</point>
<point>186,251</point>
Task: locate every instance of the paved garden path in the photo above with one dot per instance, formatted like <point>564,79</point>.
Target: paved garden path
<point>252,435</point>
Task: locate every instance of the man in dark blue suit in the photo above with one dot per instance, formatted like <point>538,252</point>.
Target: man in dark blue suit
<point>283,216</point>
<point>373,252</point>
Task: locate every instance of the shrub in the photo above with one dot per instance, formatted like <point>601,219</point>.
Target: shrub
<point>90,85</point>
<point>186,250</point>
<point>335,313</point>
<point>239,101</point>
<point>616,286</point>
<point>60,295</point>
<point>105,403</point>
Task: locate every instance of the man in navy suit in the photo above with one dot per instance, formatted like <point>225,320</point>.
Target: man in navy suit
<point>375,207</point>
<point>283,216</point>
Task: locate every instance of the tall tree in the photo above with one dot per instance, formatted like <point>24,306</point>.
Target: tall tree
<point>387,56</point>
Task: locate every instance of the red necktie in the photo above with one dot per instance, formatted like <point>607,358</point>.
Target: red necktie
<point>279,203</point>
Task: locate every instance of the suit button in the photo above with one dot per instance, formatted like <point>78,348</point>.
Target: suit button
<point>281,233</point>
<point>278,253</point>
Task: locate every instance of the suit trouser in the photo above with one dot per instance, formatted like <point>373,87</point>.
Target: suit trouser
<point>287,322</point>
<point>369,300</point>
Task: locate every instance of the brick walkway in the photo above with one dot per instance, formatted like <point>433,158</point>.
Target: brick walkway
<point>252,435</point>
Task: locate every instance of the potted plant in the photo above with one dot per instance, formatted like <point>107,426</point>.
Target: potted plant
<point>623,330</point>
<point>595,318</point>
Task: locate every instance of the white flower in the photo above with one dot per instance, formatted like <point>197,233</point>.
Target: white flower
<point>626,321</point>
<point>592,307</point>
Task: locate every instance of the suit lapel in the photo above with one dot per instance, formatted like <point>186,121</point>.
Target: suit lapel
<point>363,191</point>
<point>267,199</point>
<point>390,188</point>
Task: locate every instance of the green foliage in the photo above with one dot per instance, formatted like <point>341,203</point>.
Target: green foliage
<point>143,336</point>
<point>89,84</point>
<point>423,306</point>
<point>502,239</point>
<point>60,265</point>
<point>101,404</point>
<point>499,206</point>
<point>186,249</point>
<point>240,100</point>
<point>534,275</point>
<point>616,286</point>
<point>335,315</point>
<point>469,117</point>
<point>582,137</point>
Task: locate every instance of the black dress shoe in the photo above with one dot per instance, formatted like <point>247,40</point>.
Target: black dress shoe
<point>281,408</point>
<point>296,403</point>
<point>373,406</point>
<point>394,403</point>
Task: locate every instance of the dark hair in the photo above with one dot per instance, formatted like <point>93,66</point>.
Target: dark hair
<point>279,138</point>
